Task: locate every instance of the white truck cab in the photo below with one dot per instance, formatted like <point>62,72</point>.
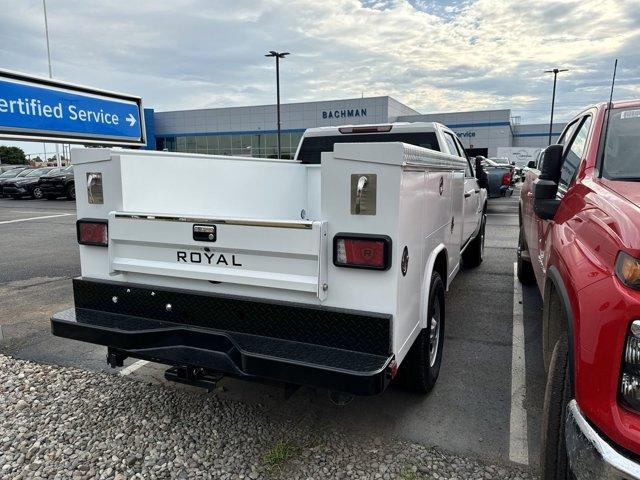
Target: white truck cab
<point>328,270</point>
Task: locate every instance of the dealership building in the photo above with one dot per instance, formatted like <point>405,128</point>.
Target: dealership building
<point>252,131</point>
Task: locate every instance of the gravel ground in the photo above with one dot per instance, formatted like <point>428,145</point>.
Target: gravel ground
<point>65,423</point>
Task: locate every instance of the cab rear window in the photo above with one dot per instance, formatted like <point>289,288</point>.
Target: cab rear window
<point>312,147</point>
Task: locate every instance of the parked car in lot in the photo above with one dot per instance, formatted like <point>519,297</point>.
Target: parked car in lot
<point>58,183</point>
<point>499,177</point>
<point>330,274</point>
<point>11,174</point>
<point>6,168</point>
<point>26,185</point>
<point>580,242</point>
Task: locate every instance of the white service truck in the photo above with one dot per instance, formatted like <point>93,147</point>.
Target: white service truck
<point>328,270</point>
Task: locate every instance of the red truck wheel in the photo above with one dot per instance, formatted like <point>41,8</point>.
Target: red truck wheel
<point>421,367</point>
<point>554,462</point>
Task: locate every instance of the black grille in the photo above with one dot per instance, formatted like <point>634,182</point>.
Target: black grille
<point>349,330</point>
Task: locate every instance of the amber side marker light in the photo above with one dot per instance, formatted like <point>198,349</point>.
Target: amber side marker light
<point>92,232</point>
<point>628,270</point>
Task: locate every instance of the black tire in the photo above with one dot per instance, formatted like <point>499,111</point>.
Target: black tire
<point>553,457</point>
<point>37,193</point>
<point>71,191</point>
<point>525,269</point>
<point>419,370</point>
<point>474,253</point>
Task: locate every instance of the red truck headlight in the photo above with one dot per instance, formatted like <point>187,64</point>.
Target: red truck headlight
<point>92,232</point>
<point>630,379</point>
<point>628,270</point>
<point>362,251</point>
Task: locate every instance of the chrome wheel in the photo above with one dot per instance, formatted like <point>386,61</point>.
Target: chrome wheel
<point>434,332</point>
<point>37,192</point>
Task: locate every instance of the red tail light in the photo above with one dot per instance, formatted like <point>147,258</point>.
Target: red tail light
<point>506,178</point>
<point>362,251</point>
<point>92,232</point>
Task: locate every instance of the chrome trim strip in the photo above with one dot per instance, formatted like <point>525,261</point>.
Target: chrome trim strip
<point>590,455</point>
<point>225,221</point>
<point>420,167</point>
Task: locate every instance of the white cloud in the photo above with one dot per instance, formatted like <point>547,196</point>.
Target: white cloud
<point>432,55</point>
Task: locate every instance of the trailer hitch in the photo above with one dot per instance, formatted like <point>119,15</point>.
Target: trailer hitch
<point>115,358</point>
<point>194,376</point>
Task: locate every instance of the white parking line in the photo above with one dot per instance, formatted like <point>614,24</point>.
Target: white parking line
<point>518,441</point>
<point>36,218</point>
<point>41,211</point>
<point>133,367</point>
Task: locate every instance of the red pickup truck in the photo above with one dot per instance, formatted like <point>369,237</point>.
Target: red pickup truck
<point>580,242</point>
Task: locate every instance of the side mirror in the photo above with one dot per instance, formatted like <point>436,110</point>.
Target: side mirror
<point>481,175</point>
<point>545,187</point>
<point>552,163</point>
<point>531,164</point>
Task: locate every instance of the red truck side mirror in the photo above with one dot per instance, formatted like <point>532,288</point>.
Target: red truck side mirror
<point>545,187</point>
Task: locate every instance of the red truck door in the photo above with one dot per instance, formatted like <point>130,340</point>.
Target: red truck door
<point>574,138</point>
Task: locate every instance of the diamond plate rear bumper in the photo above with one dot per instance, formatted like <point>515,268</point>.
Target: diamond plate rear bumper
<point>339,350</point>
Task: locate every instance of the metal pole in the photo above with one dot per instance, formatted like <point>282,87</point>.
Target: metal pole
<point>278,95</point>
<point>46,33</point>
<point>553,102</point>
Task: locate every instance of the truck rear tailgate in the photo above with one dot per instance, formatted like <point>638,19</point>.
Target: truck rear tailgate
<point>279,254</point>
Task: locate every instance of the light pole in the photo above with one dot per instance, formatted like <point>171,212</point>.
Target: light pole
<point>555,72</point>
<point>278,56</point>
<point>46,34</point>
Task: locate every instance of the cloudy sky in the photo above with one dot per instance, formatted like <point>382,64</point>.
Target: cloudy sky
<point>435,56</point>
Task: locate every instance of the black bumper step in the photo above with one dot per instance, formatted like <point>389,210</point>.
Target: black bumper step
<point>234,353</point>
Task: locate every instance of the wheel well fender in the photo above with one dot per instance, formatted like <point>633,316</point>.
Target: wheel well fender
<point>551,327</point>
<point>437,261</point>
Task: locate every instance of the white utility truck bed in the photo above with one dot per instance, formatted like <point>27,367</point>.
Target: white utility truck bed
<point>330,274</point>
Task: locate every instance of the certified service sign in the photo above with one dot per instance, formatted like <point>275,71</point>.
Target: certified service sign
<point>34,108</point>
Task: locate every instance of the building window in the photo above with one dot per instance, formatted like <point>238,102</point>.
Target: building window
<point>263,145</point>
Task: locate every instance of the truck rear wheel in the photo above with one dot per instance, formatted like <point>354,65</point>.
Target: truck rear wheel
<point>525,269</point>
<point>421,367</point>
<point>474,253</point>
<point>554,462</point>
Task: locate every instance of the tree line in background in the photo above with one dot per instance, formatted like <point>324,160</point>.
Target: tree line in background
<point>12,156</point>
<point>16,156</point>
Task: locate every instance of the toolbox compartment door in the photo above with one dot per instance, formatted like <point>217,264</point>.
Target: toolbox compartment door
<point>280,254</point>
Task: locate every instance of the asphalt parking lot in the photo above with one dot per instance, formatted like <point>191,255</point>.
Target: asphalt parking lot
<point>486,405</point>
